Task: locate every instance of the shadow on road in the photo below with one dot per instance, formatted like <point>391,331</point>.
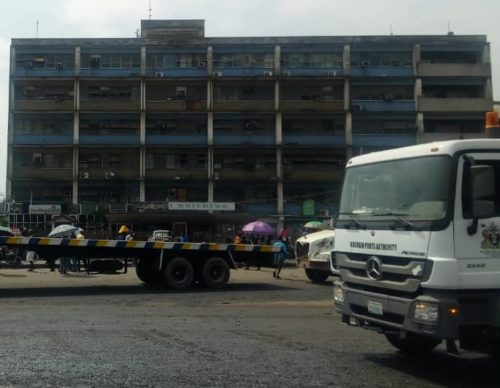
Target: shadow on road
<point>443,369</point>
<point>138,289</point>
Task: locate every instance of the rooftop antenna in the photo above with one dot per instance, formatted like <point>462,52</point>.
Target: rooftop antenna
<point>150,9</point>
<point>390,29</point>
<point>450,32</point>
<point>37,29</point>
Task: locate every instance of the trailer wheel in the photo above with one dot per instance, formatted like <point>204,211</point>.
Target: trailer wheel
<point>317,276</point>
<point>215,273</point>
<point>413,343</point>
<point>179,273</point>
<point>148,272</point>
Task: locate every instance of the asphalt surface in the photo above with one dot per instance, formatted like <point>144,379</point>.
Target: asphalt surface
<point>80,330</point>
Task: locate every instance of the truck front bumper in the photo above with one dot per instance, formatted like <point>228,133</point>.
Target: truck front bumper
<point>304,262</point>
<point>452,312</point>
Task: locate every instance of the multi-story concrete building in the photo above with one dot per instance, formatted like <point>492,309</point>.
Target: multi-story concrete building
<point>121,127</point>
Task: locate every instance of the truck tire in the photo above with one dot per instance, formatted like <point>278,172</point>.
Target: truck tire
<point>413,343</point>
<point>178,273</point>
<point>317,276</point>
<point>147,271</point>
<point>215,273</point>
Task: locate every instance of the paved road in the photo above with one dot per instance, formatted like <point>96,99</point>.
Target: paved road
<point>80,330</point>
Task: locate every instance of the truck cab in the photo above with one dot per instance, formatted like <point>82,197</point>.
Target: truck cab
<point>418,245</point>
<point>313,252</point>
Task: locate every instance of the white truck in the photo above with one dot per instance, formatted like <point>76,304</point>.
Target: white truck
<point>313,253</point>
<point>417,244</point>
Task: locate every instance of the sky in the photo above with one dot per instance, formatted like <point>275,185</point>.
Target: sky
<point>121,18</point>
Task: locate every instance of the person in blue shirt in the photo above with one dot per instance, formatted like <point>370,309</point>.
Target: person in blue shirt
<point>281,256</point>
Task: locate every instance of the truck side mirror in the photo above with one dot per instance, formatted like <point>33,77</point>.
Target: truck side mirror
<point>482,188</point>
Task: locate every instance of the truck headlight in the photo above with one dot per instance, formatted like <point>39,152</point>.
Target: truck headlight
<point>338,294</point>
<point>426,312</point>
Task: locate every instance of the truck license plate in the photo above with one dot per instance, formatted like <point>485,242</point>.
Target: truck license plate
<point>375,308</point>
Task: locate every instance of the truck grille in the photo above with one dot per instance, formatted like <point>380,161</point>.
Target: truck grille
<point>302,249</point>
<point>399,274</point>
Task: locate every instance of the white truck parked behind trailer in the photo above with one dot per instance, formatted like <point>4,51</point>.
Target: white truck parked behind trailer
<point>313,252</point>
<point>418,245</point>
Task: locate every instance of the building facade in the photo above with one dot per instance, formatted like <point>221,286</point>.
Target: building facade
<point>111,131</point>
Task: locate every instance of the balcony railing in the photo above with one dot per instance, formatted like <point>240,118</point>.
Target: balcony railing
<point>109,139</point>
<point>426,104</point>
<point>311,105</point>
<point>243,72</point>
<point>236,106</point>
<point>453,70</point>
<point>99,72</point>
<point>43,139</point>
<point>384,140</point>
<point>40,174</point>
<point>381,71</point>
<point>336,71</point>
<point>52,73</point>
<point>292,173</point>
<point>243,139</point>
<point>176,139</point>
<point>177,174</point>
<point>316,140</point>
<point>44,105</point>
<point>121,106</point>
<point>177,106</point>
<point>383,105</point>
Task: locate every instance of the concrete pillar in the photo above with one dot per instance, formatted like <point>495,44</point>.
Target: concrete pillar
<point>10,129</point>
<point>346,60</point>
<point>347,94</point>
<point>74,195</point>
<point>78,61</point>
<point>277,60</point>
<point>417,92</point>
<point>416,58</point>
<point>143,60</point>
<point>420,127</point>
<point>486,55</point>
<point>279,187</point>
<point>142,174</point>
<point>210,60</point>
<point>488,91</point>
<point>348,135</point>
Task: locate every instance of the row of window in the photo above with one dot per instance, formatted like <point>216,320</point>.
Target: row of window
<point>239,60</point>
<point>171,161</point>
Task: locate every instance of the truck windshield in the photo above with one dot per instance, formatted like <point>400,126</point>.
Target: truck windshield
<point>401,191</point>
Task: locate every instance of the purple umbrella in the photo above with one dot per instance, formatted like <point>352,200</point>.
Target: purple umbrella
<point>258,227</point>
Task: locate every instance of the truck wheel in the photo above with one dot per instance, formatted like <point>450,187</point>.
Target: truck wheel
<point>147,271</point>
<point>179,273</point>
<point>317,276</point>
<point>215,273</point>
<point>413,343</point>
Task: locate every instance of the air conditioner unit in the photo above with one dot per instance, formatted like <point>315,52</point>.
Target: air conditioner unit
<point>365,63</point>
<point>109,175</point>
<point>84,175</point>
<point>358,108</point>
<point>159,74</point>
<point>67,193</point>
<point>268,74</point>
<point>59,65</point>
<point>202,64</point>
<point>181,92</point>
<point>28,65</point>
<point>95,60</point>
<point>217,74</point>
<point>216,176</point>
<point>29,91</point>
<point>59,97</point>
<point>332,73</point>
<point>287,74</point>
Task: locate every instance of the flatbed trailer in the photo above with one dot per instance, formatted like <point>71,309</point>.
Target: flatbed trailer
<point>172,264</point>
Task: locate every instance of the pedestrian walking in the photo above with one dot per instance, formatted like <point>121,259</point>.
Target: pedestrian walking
<point>280,257</point>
